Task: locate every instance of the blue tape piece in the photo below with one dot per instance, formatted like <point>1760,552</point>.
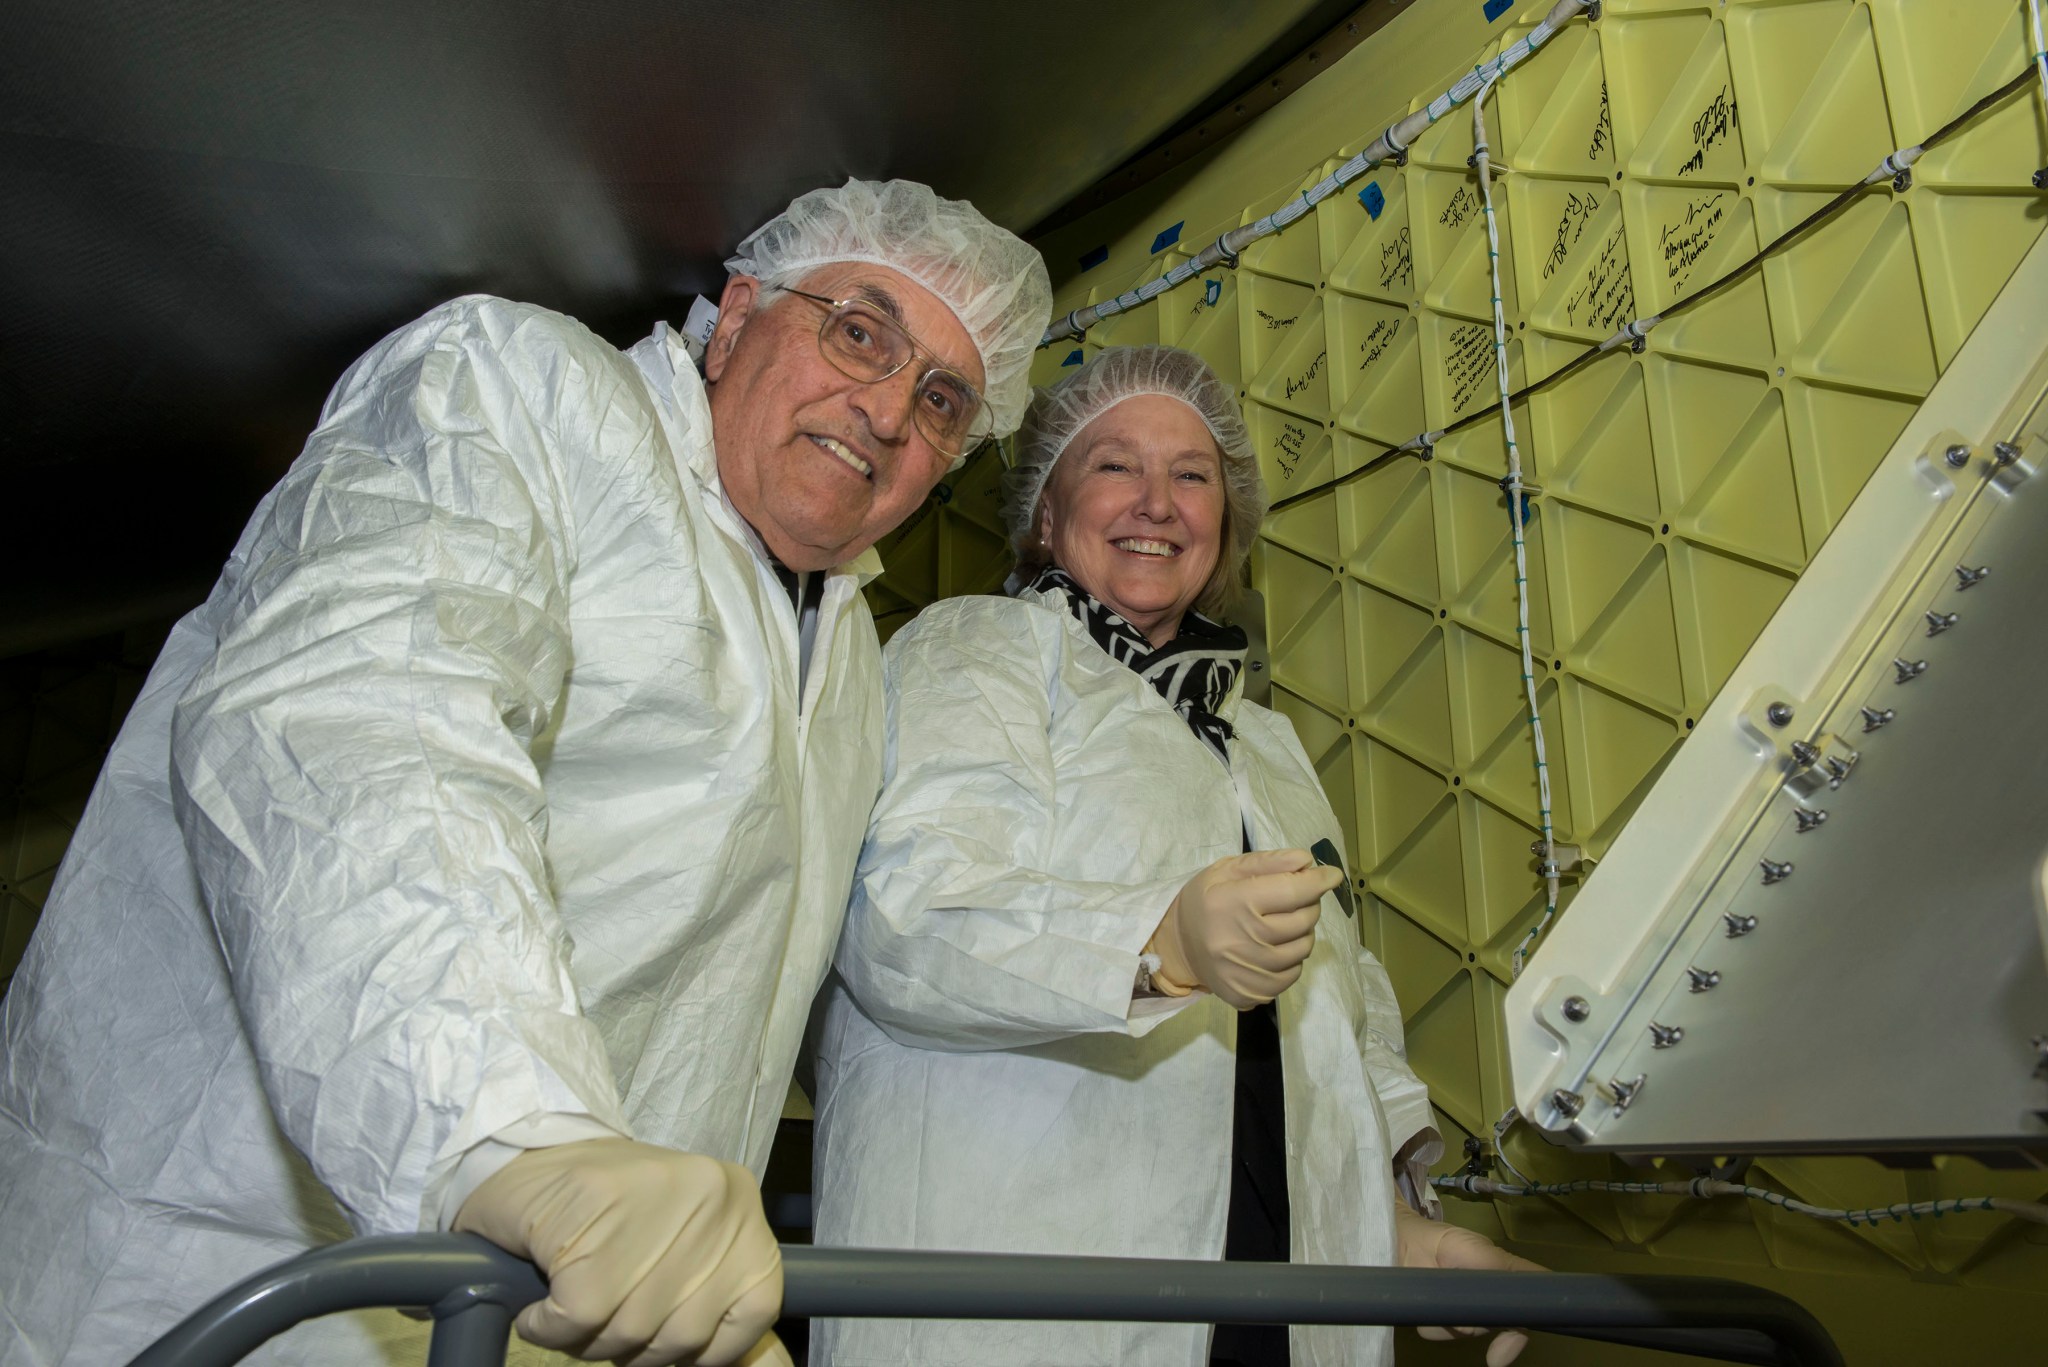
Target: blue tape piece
<point>1494,9</point>
<point>1073,358</point>
<point>1167,237</point>
<point>1212,290</point>
<point>1090,260</point>
<point>1373,198</point>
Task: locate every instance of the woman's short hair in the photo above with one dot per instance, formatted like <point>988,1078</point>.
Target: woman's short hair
<point>1058,413</point>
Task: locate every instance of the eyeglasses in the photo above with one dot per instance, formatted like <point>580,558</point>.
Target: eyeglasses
<point>866,344</point>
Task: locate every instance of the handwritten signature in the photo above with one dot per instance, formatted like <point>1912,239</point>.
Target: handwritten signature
<point>1471,361</point>
<point>1709,131</point>
<point>1459,210</point>
<point>1308,377</point>
<point>1683,243</point>
<point>1290,444</point>
<point>1571,225</point>
<point>1377,341</point>
<point>1397,261</point>
<point>1605,293</point>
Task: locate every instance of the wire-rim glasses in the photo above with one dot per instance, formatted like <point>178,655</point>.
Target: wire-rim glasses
<point>864,343</point>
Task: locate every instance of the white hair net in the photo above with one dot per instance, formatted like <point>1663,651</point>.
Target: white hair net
<point>995,284</point>
<point>1059,413</point>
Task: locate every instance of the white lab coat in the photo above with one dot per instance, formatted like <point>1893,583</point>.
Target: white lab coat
<point>486,758</point>
<point>984,1081</point>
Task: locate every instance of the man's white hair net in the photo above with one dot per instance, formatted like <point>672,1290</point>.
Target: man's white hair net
<point>1059,413</point>
<point>995,284</point>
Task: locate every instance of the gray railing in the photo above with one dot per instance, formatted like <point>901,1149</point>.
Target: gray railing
<point>473,1290</point>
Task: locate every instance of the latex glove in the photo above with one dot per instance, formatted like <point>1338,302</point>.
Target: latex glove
<point>1243,927</point>
<point>652,1256</point>
<point>1434,1243</point>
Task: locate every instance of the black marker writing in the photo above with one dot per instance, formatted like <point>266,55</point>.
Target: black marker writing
<point>1605,298</point>
<point>1470,363</point>
<point>1683,243</point>
<point>1578,211</point>
<point>1397,262</point>
<point>1459,210</point>
<point>1308,376</point>
<point>1709,131</point>
<point>1289,445</point>
<point>1377,341</point>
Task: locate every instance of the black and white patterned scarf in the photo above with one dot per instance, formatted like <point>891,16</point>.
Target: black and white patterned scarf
<point>1193,672</point>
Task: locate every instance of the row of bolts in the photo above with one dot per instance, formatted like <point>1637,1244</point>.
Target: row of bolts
<point>1805,755</point>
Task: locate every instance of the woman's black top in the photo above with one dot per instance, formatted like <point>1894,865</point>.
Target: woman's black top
<point>1257,1226</point>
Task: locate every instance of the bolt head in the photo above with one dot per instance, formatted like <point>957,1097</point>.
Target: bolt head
<point>1577,1008</point>
<point>1779,714</point>
<point>1958,457</point>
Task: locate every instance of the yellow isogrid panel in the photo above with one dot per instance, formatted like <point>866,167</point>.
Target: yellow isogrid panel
<point>953,544</point>
<point>1682,492</point>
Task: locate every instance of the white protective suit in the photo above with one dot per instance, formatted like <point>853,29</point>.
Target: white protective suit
<point>983,1079</point>
<point>488,756</point>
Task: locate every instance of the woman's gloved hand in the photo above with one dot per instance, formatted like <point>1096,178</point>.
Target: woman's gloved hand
<point>1243,927</point>
<point>652,1256</point>
<point>1432,1243</point>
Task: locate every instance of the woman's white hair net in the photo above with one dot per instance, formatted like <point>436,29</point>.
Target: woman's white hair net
<point>1059,413</point>
<point>995,284</point>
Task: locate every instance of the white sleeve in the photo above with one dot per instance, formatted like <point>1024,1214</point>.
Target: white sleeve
<point>480,1163</point>
<point>352,769</point>
<point>961,934</point>
<point>1412,1135</point>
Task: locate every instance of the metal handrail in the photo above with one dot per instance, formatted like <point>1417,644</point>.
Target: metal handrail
<point>473,1289</point>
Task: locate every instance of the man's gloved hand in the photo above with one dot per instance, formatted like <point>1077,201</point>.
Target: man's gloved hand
<point>652,1256</point>
<point>1432,1243</point>
<point>1243,927</point>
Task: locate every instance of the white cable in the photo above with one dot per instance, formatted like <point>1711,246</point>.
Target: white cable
<point>1708,1187</point>
<point>2040,52</point>
<point>1396,140</point>
<point>1508,1120</point>
<point>1513,485</point>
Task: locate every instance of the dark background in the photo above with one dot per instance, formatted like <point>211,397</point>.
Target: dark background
<point>208,208</point>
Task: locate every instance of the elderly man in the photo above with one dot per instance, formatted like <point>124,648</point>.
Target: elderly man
<point>472,856</point>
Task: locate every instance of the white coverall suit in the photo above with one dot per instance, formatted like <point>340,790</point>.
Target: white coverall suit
<point>487,758</point>
<point>985,1080</point>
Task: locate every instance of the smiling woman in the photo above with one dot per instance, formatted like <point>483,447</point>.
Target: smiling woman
<point>1136,476</point>
<point>1135,512</point>
<point>1093,993</point>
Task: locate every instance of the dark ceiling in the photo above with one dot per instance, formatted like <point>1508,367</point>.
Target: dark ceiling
<point>208,207</point>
